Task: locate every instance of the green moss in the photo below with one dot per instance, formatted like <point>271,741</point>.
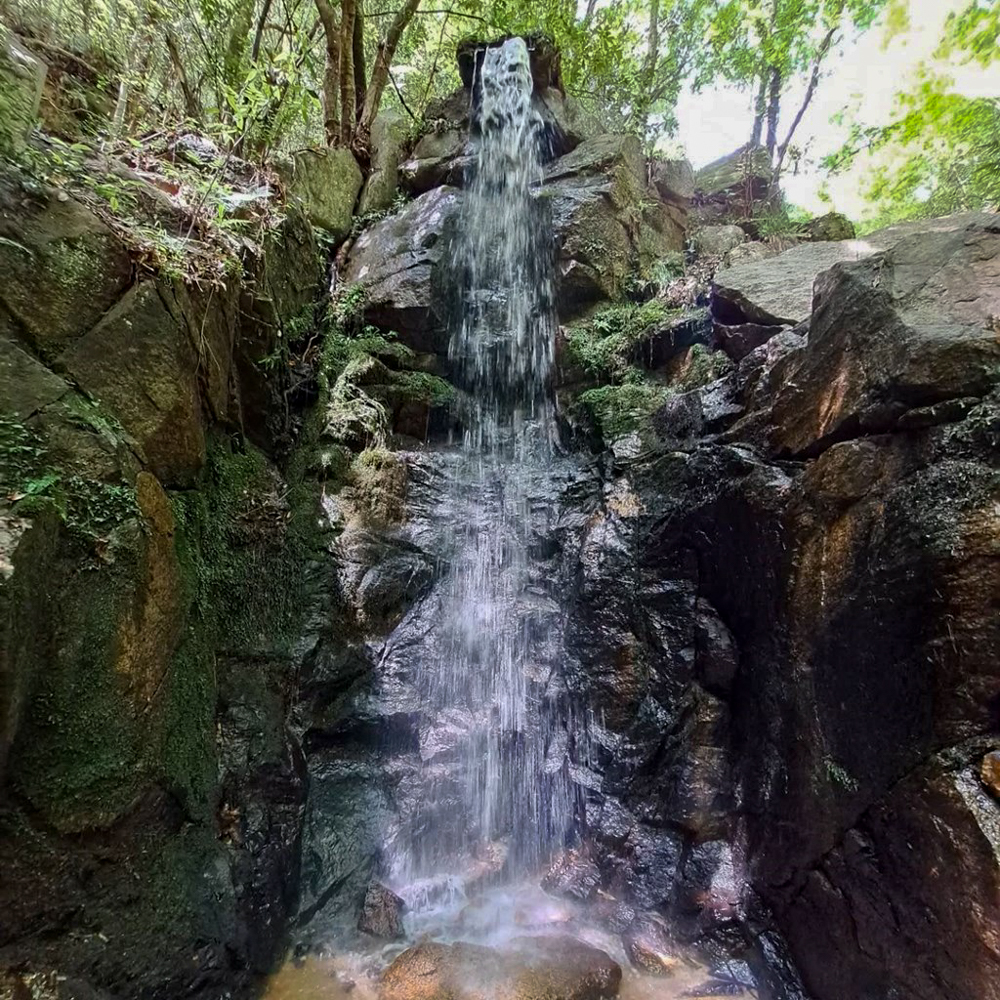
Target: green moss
<point>89,508</point>
<point>618,409</point>
<point>606,342</point>
<point>83,758</point>
<point>704,367</point>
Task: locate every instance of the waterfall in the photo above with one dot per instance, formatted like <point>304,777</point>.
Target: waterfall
<point>512,792</point>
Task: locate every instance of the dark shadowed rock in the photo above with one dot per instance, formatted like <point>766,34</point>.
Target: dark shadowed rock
<point>910,327</point>
<point>739,340</point>
<point>394,263</point>
<point>381,913</point>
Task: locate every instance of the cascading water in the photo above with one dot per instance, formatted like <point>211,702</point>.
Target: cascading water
<point>512,797</point>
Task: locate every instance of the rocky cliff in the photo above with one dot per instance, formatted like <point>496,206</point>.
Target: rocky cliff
<point>768,594</point>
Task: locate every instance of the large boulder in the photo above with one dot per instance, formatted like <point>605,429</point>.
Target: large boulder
<point>832,226</point>
<point>388,140</point>
<point>733,185</point>
<point>61,268</point>
<point>544,968</point>
<point>595,193</point>
<point>326,182</point>
<point>22,77</point>
<point>440,157</point>
<point>394,262</point>
<point>673,179</point>
<point>715,241</point>
<point>911,329</point>
<point>778,290</point>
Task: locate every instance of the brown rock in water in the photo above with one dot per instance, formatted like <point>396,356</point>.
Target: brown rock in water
<point>572,874</point>
<point>547,968</point>
<point>989,771</point>
<point>381,913</point>
<point>650,948</point>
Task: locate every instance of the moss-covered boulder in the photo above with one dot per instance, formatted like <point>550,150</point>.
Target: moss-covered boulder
<point>61,268</point>
<point>388,140</point>
<point>22,76</point>
<point>326,183</point>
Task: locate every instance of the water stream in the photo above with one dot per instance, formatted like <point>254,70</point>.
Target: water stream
<point>501,352</point>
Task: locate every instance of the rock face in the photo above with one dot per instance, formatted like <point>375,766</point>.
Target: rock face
<point>326,183</point>
<point>729,187</point>
<point>602,232</point>
<point>547,968</point>
<point>22,77</point>
<point>149,774</point>
<point>395,263</point>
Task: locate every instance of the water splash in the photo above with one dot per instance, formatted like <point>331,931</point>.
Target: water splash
<point>486,687</point>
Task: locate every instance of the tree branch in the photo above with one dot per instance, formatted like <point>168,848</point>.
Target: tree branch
<point>810,90</point>
<point>380,69</point>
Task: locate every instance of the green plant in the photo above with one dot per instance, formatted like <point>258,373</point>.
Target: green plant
<point>606,343</point>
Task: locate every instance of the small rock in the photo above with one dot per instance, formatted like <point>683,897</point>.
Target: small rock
<point>573,875</point>
<point>650,948</point>
<point>832,226</point>
<point>714,241</point>
<point>990,772</point>
<point>381,913</point>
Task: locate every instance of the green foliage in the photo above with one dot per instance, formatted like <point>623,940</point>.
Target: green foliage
<point>940,153</point>
<point>618,409</point>
<point>31,482</point>
<point>606,343</point>
<point>785,220</point>
<point>363,371</point>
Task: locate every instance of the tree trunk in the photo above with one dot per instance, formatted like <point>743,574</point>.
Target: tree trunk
<point>192,106</point>
<point>759,110</point>
<point>360,75</point>
<point>331,72</point>
<point>810,90</point>
<point>773,108</point>
<point>348,97</point>
<point>380,70</point>
<point>258,36</point>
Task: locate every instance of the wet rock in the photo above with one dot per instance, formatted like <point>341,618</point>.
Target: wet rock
<point>924,312</point>
<point>650,947</point>
<point>933,831</point>
<point>394,263</point>
<point>549,968</point>
<point>381,913</point>
<point>832,226</point>
<point>673,335</point>
<point>714,241</point>
<point>572,875</point>
<point>716,654</point>
<point>989,772</point>
<point>438,158</point>
<point>739,340</point>
<point>22,77</point>
<point>595,194</point>
<point>326,183</point>
<point>388,139</point>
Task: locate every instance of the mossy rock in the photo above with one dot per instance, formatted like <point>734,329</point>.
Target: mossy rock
<point>326,183</point>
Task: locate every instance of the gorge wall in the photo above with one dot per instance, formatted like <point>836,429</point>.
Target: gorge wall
<point>769,585</point>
